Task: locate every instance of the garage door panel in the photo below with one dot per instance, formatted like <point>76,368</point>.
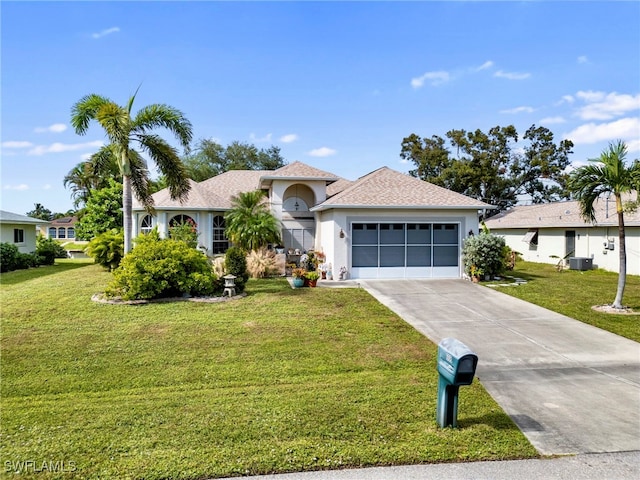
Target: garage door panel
<point>392,256</point>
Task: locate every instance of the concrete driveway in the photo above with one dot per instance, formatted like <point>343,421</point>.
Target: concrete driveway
<point>570,387</point>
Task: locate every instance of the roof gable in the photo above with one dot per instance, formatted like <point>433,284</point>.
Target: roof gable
<point>300,171</point>
<point>389,188</point>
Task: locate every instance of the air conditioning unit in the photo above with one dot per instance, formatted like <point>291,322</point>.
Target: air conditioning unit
<point>580,263</point>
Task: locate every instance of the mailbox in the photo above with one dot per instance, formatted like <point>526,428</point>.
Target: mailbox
<point>456,367</point>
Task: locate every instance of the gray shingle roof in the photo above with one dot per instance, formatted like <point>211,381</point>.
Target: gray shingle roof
<point>388,188</point>
<point>381,188</point>
<point>9,217</point>
<point>559,214</point>
<point>300,171</point>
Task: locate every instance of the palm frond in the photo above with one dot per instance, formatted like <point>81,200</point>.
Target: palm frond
<point>165,116</point>
<point>140,180</point>
<point>85,110</point>
<point>169,163</point>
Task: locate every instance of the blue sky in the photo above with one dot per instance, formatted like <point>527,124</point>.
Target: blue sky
<point>337,85</point>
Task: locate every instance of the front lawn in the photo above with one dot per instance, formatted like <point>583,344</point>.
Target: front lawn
<point>574,292</point>
<point>282,380</point>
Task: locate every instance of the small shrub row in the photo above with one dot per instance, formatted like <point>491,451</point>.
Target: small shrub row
<point>47,250</point>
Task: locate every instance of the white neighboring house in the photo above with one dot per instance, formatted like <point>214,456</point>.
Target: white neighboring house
<point>385,224</point>
<point>557,229</point>
<point>19,230</point>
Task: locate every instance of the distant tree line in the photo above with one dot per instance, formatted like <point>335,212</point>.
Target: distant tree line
<point>493,167</point>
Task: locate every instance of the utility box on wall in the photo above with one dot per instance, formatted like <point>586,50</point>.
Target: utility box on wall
<point>580,263</point>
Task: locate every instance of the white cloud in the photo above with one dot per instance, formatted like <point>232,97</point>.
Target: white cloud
<point>511,75</point>
<point>289,138</point>
<point>265,139</point>
<point>64,147</point>
<point>519,110</point>
<point>322,152</point>
<point>21,187</point>
<point>633,145</point>
<point>625,128</point>
<point>484,66</point>
<point>552,120</point>
<point>434,78</point>
<point>605,106</point>
<point>55,128</point>
<point>105,32</point>
<point>583,59</point>
<point>16,144</point>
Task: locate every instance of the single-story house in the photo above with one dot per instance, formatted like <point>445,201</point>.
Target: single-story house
<point>385,224</point>
<point>19,230</point>
<point>61,228</point>
<point>546,232</point>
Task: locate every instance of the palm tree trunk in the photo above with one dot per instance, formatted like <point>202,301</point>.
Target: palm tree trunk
<point>622,275</point>
<point>126,206</point>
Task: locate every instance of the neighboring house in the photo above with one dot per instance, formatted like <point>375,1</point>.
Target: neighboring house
<point>19,230</point>
<point>60,228</point>
<point>386,224</point>
<point>541,233</point>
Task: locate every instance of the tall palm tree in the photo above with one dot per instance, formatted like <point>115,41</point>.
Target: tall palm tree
<point>250,223</point>
<point>123,130</point>
<point>608,174</point>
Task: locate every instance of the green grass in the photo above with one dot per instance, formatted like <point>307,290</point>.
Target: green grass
<point>282,380</point>
<point>573,293</point>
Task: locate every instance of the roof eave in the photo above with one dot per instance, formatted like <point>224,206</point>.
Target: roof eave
<point>322,207</point>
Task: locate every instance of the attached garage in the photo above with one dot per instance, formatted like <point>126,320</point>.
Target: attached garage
<point>405,250</point>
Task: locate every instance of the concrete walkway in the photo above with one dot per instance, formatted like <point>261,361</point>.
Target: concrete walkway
<point>570,387</point>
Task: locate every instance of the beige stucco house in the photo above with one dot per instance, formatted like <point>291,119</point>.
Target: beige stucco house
<point>19,230</point>
<point>542,233</point>
<point>385,224</point>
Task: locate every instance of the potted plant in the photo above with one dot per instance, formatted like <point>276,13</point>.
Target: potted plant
<point>298,275</point>
<point>312,278</point>
<point>475,272</point>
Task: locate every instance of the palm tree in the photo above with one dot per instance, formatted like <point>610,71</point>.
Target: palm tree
<point>607,174</point>
<point>122,130</point>
<point>250,223</point>
<point>84,179</point>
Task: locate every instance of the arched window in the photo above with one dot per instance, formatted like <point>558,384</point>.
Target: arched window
<point>295,204</point>
<point>220,241</point>
<point>146,225</point>
<point>71,232</point>
<point>62,232</point>
<point>53,232</point>
<point>181,220</point>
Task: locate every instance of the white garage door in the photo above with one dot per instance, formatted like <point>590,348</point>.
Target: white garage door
<point>405,250</point>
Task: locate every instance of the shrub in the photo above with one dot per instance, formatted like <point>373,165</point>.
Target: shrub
<point>107,249</point>
<point>8,257</point>
<point>235,263</point>
<point>187,232</point>
<point>262,263</point>
<point>157,268</point>
<point>485,253</point>
<point>27,260</point>
<point>48,249</point>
